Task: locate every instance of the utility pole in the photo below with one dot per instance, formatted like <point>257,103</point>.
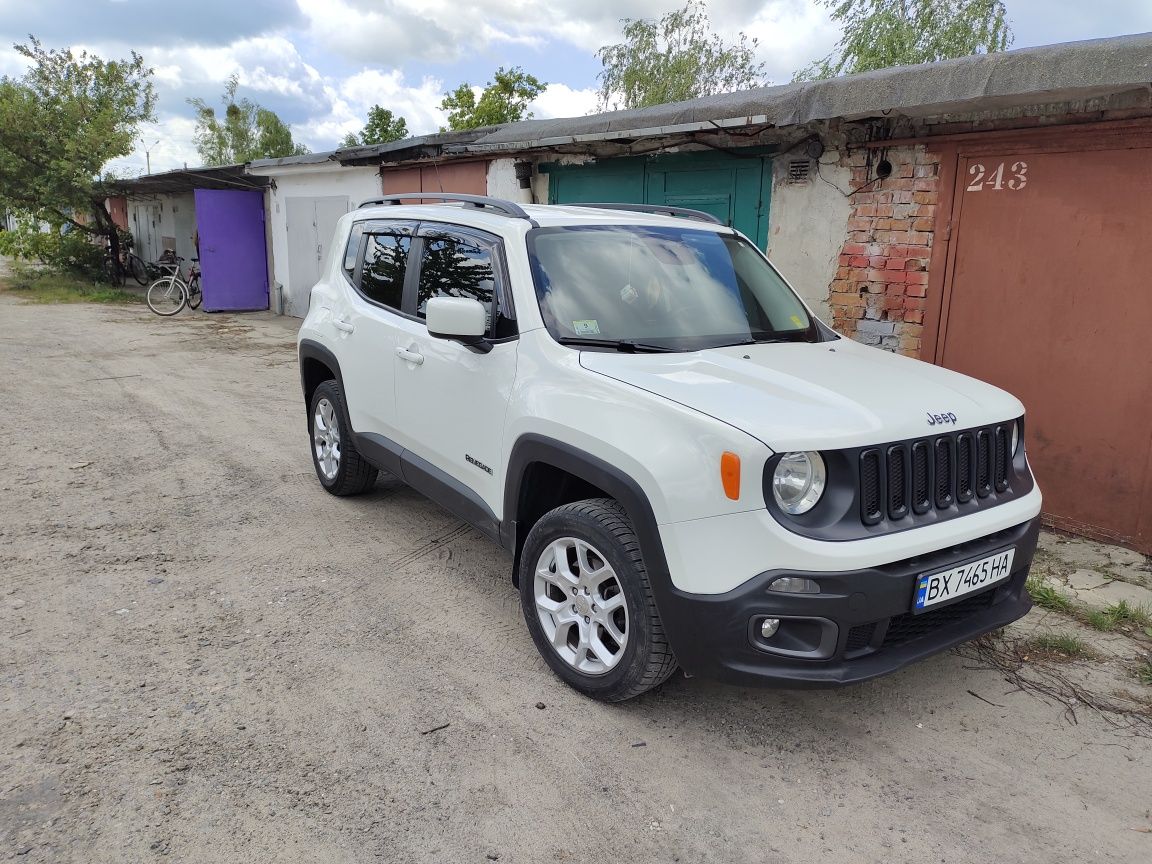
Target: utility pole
<point>147,154</point>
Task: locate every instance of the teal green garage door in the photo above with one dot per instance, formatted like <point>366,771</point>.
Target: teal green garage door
<point>733,189</point>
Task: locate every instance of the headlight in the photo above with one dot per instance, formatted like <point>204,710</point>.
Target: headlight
<point>798,482</point>
<point>1015,437</point>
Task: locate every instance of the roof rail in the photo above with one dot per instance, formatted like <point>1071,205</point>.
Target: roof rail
<point>480,202</point>
<point>685,212</point>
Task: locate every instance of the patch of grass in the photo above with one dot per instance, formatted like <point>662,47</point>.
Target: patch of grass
<point>47,286</point>
<point>1144,673</point>
<point>1059,645</point>
<point>1122,612</point>
<point>1098,619</point>
<point>1048,597</point>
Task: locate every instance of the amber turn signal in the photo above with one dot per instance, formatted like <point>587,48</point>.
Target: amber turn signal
<point>730,474</point>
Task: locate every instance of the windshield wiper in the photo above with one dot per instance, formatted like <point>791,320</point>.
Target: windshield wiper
<point>625,346</point>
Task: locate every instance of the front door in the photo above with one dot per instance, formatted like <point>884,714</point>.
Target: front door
<point>453,399</point>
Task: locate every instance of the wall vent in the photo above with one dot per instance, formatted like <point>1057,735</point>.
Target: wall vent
<point>799,170</point>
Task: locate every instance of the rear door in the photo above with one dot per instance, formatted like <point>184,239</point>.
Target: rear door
<point>375,266</point>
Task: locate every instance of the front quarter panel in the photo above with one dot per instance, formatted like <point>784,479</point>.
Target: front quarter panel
<point>672,452</point>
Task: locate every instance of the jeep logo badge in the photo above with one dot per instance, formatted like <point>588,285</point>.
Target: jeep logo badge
<point>938,419</point>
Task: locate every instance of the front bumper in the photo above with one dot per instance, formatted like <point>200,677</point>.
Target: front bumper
<point>866,626</point>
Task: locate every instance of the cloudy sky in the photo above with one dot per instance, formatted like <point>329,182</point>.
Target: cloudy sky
<point>320,64</point>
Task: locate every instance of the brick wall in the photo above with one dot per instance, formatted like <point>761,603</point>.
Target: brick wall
<point>878,294</point>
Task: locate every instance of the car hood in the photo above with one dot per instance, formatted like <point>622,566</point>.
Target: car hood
<point>805,396</point>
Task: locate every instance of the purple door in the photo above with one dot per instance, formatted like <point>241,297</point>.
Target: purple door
<point>233,259</point>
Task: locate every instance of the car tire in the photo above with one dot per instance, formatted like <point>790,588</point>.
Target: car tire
<point>339,466</point>
<point>576,562</point>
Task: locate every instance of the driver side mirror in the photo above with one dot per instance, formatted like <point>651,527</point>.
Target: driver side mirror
<point>459,318</point>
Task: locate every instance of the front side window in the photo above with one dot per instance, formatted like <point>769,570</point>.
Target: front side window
<point>456,266</point>
<point>382,273</point>
<point>667,288</point>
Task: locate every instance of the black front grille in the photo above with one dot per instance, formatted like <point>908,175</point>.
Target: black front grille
<point>860,637</point>
<point>904,628</point>
<point>921,478</point>
<point>871,510</point>
<point>907,479</point>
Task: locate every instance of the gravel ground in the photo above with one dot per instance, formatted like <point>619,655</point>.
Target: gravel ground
<point>203,656</point>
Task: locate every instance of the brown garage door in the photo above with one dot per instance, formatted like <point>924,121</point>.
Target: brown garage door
<point>467,177</point>
<point>1048,293</point>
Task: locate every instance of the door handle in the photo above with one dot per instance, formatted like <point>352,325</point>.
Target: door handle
<point>342,325</point>
<point>410,356</point>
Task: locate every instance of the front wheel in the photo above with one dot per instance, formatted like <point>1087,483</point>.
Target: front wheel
<point>586,598</point>
<point>166,296</point>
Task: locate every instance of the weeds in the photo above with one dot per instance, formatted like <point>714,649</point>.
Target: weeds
<point>1144,673</point>
<point>46,286</point>
<point>1122,612</point>
<point>1048,597</point>
<point>1059,646</point>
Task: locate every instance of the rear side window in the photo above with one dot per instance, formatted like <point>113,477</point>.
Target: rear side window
<point>456,266</point>
<point>382,273</point>
<point>352,250</point>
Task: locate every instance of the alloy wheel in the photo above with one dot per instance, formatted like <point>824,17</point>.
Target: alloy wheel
<point>581,607</point>
<point>326,439</point>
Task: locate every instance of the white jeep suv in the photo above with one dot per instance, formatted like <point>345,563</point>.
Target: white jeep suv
<point>690,469</point>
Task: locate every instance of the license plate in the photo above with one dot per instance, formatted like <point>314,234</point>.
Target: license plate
<point>933,589</point>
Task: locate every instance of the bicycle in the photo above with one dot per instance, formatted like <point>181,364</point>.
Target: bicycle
<point>115,272</point>
<point>171,293</point>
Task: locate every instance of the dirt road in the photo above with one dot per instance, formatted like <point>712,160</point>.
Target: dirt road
<point>203,656</point>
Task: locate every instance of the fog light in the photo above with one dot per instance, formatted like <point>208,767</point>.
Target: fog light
<point>794,585</point>
<point>769,626</point>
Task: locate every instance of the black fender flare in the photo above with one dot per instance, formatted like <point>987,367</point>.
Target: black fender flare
<point>310,349</point>
<point>532,448</point>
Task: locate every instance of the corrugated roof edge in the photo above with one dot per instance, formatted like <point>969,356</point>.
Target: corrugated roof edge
<point>306,159</point>
<point>1050,73</point>
<point>1093,67</point>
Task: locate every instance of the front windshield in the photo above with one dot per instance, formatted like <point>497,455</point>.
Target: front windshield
<point>672,288</point>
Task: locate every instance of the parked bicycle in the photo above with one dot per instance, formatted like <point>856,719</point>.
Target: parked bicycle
<point>116,272</point>
<point>172,292</point>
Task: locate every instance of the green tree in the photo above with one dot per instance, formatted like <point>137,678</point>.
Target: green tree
<point>504,100</point>
<point>382,126</point>
<point>878,34</point>
<point>675,58</point>
<point>60,124</point>
<point>247,131</point>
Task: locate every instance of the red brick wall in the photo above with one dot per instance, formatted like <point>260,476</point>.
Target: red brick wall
<point>878,294</point>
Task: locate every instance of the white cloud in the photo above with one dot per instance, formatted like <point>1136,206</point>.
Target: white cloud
<point>350,99</point>
<point>560,100</point>
<point>167,144</point>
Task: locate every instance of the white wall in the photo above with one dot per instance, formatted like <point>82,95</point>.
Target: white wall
<point>307,181</point>
<point>153,218</point>
<point>502,182</point>
<point>807,225</point>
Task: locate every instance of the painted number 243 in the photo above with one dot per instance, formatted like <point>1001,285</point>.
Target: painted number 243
<point>981,178</point>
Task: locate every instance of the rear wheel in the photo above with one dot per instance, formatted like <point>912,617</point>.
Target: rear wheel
<point>340,468</point>
<point>166,296</point>
<point>585,595</point>
<point>195,295</point>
